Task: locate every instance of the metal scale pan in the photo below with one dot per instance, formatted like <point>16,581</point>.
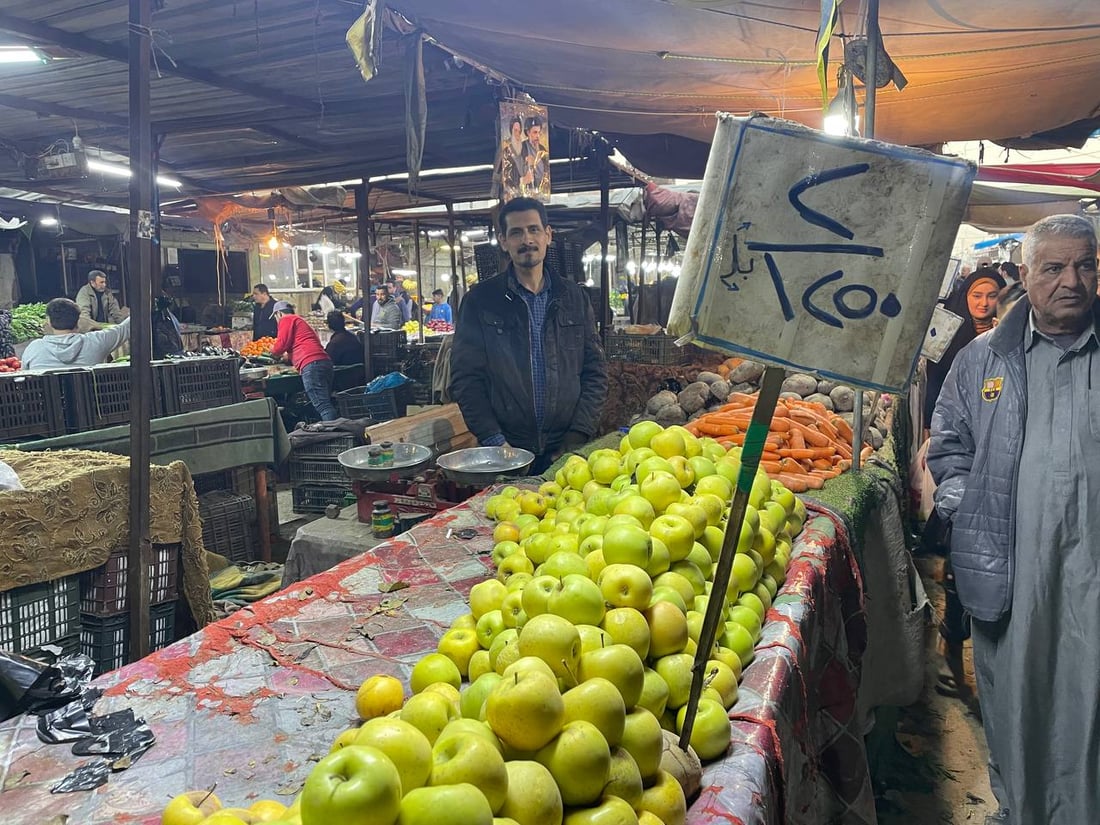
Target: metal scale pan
<point>408,460</point>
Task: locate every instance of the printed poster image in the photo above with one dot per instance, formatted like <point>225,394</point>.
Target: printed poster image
<point>524,165</point>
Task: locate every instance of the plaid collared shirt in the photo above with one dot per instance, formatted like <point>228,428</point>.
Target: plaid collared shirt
<point>537,306</point>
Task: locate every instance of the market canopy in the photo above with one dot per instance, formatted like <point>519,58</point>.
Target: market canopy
<point>653,73</point>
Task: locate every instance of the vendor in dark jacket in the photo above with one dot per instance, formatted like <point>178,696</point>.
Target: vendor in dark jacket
<point>527,369</point>
<point>263,324</point>
<point>343,348</point>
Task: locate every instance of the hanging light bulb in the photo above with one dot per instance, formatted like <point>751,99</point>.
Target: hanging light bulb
<point>842,114</point>
<point>273,243</point>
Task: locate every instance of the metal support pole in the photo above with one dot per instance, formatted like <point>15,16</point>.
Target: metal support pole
<point>263,511</point>
<point>363,227</point>
<point>605,265</point>
<point>456,281</point>
<point>419,275</point>
<point>140,259</point>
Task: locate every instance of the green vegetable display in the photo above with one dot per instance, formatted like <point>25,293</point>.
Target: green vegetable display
<point>27,321</point>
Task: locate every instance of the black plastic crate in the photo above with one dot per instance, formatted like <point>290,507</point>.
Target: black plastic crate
<point>422,393</point>
<point>317,471</point>
<point>227,524</point>
<point>315,498</point>
<point>210,482</point>
<point>386,405</point>
<point>202,383</point>
<point>324,449</point>
<point>390,343</point>
<point>103,590</point>
<point>30,405</point>
<point>106,639</point>
<point>645,349</point>
<point>385,364</point>
<point>39,614</point>
<point>97,397</point>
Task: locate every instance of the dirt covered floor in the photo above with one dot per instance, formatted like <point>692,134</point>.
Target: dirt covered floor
<point>934,769</point>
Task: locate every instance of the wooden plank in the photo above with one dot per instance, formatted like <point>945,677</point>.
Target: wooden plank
<point>442,429</point>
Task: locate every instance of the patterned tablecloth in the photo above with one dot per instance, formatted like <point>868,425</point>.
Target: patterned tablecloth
<point>252,701</point>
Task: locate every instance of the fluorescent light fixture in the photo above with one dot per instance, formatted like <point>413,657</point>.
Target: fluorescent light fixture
<point>47,221</point>
<point>631,267</point>
<point>20,54</point>
<point>590,282</point>
<point>324,249</point>
<point>351,256</point>
<point>120,171</point>
<point>404,272</point>
<point>445,276</point>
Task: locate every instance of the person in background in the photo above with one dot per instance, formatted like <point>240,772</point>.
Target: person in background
<point>1010,272</point>
<point>96,302</point>
<point>1015,453</point>
<point>441,310</point>
<point>302,346</point>
<point>1008,298</point>
<point>65,347</point>
<point>385,314</point>
<point>527,369</point>
<point>263,325</point>
<point>343,348</point>
<point>327,302</point>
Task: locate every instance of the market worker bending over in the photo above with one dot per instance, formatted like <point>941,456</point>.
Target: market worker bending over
<point>300,343</point>
<point>527,368</point>
<point>1015,453</point>
<point>65,347</point>
<point>98,303</point>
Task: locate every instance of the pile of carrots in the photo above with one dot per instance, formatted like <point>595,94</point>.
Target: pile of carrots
<point>806,445</point>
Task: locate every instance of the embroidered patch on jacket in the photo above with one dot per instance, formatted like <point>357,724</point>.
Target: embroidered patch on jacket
<point>991,388</point>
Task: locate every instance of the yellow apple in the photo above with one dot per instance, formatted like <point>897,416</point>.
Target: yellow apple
<point>712,540</point>
<point>659,558</point>
<point>675,669</point>
<point>604,464</point>
<point>625,585</point>
<point>668,443</point>
<point>660,489</point>
<point>720,677</point>
<point>525,710</point>
<point>267,810</point>
<point>577,599</point>
<point>555,640</point>
<point>739,640</point>
<point>677,533</point>
<point>624,780</point>
<point>641,434</point>
<point>626,626</point>
<point>381,694</point>
<point>619,664</point>
<point>512,612</point>
<point>408,748</point>
<point>668,630</point>
<point>461,804</point>
<point>664,798</point>
<point>678,582</point>
<point>593,637</point>
<point>356,785</point>
<point>190,808</point>
<point>597,701</point>
<point>459,646</point>
<point>513,564</point>
<point>579,760</point>
<point>563,562</point>
<point>608,810</point>
<point>693,513</point>
<point>469,758</point>
<point>654,696</point>
<point>643,740</point>
<point>665,593</point>
<point>533,797</point>
<point>682,471</point>
<point>633,504</point>
<point>486,596</point>
<point>593,559</point>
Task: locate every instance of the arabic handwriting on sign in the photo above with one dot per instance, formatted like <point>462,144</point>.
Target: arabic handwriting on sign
<point>737,268</point>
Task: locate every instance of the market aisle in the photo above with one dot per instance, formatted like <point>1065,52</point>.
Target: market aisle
<point>937,773</point>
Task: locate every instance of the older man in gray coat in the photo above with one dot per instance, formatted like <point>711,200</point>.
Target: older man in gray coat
<point>1016,454</point>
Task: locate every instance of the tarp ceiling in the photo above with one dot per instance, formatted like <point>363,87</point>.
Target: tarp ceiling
<point>653,73</point>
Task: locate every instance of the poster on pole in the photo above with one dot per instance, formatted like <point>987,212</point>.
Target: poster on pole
<point>523,165</point>
<point>941,331</point>
<point>818,253</point>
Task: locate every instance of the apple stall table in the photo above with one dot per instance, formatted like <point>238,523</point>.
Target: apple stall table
<point>253,701</point>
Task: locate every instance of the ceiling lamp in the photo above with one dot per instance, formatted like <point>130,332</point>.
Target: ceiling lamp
<point>21,54</point>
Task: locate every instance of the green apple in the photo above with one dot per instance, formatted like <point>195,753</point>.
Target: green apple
<point>727,657</point>
<point>533,796</point>
<point>622,520</point>
<point>459,646</point>
<point>479,664</point>
<point>640,434</point>
<point>715,485</point>
<point>619,664</point>
<point>517,581</point>
<point>652,464</point>
<point>429,713</point>
<point>356,785</point>
<point>577,474</point>
<point>513,564</point>
<point>761,489</point>
<point>713,450</point>
<point>693,513</point>
<point>470,727</point>
<point>489,627</point>
<point>761,592</point>
<point>599,504</point>
<point>690,571</point>
<point>525,710</point>
<point>504,549</point>
<point>746,617</point>
<point>729,468</point>
<point>461,804</point>
<point>190,808</point>
<point>659,559</point>
<point>408,748</point>
<point>507,638</point>
<point>595,525</point>
<point>633,504</point>
<point>525,664</point>
<point>678,582</point>
<point>712,540</point>
<point>579,760</point>
<point>469,758</point>
<point>739,640</point>
<point>577,599</point>
<point>624,780</point>
<point>668,630</point>
<point>664,797</point>
<point>714,507</point>
<point>593,637</point>
<point>537,547</point>
<point>695,621</point>
<point>681,469</point>
<point>475,694</point>
<point>710,735</point>
<point>604,465</point>
<point>436,667</point>
<point>668,443</point>
<point>561,564</point>
<point>769,583</point>
<point>665,593</point>
<point>511,610</point>
<point>464,622</point>
<point>555,640</point>
<point>660,489</point>
<point>536,595</point>
<point>626,626</point>
<point>675,669</point>
<point>608,810</point>
<point>755,603</point>
<point>676,532</point>
<point>692,445</point>
<point>700,557</point>
<point>764,544</point>
<point>627,544</point>
<point>702,466</point>
<point>625,585</point>
<point>570,498</point>
<point>743,575</point>
<point>594,561</point>
<point>597,701</point>
<point>654,696</point>
<point>485,596</point>
<point>643,740</point>
<point>720,677</point>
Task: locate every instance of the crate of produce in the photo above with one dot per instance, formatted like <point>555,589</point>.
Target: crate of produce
<point>103,590</point>
<point>390,343</point>
<point>30,406</point>
<point>315,498</point>
<point>386,405</point>
<point>324,449</point>
<point>106,639</point>
<point>645,349</point>
<point>202,383</point>
<point>227,524</point>
<point>39,614</point>
<point>317,471</point>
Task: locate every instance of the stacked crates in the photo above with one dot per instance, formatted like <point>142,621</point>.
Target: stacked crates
<point>317,477</point>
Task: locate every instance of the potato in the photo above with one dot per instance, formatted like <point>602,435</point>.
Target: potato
<point>660,400</point>
<point>700,387</point>
<point>691,400</point>
<point>708,377</point>
<point>875,437</point>
<point>844,398</point>
<point>793,395</point>
<point>746,371</point>
<point>720,390</point>
<point>671,414</point>
<point>821,398</point>
<point>826,386</point>
<point>802,384</point>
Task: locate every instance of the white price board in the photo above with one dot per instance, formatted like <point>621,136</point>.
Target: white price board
<point>819,253</point>
<point>941,332</point>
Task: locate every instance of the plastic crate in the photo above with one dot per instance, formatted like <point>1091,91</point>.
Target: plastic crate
<point>317,471</point>
<point>30,405</point>
<point>315,498</point>
<point>422,393</point>
<point>645,349</point>
<point>97,397</point>
<point>202,383</point>
<point>227,520</point>
<point>210,482</point>
<point>388,343</point>
<point>387,405</point>
<point>39,614</point>
<point>106,639</point>
<point>103,590</point>
<point>324,449</point>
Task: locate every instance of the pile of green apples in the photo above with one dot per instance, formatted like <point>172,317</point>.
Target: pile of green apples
<point>551,701</point>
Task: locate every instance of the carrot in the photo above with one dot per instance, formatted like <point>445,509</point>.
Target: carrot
<point>714,428</point>
<point>772,468</point>
<point>770,455</point>
<point>812,436</point>
<point>814,482</point>
<point>796,484</point>
<point>691,428</point>
<point>733,440</point>
<point>844,465</point>
<point>794,453</point>
<point>780,425</point>
<point>742,398</point>
<point>798,442</point>
<point>866,453</point>
<point>822,464</point>
<point>781,412</point>
<point>791,466</point>
<point>825,474</point>
<point>723,371</point>
<point>843,428</point>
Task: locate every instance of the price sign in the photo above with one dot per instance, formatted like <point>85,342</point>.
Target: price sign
<point>819,253</point>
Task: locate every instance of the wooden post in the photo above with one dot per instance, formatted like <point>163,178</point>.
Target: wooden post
<point>419,275</point>
<point>605,265</point>
<point>263,511</point>
<point>363,227</point>
<point>140,258</point>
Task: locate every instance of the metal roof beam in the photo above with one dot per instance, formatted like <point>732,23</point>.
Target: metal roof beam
<point>59,110</point>
<point>41,33</point>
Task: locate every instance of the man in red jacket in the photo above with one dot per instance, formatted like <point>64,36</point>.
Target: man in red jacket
<point>298,340</point>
